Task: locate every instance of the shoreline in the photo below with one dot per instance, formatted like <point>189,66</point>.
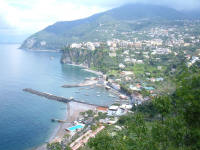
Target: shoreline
<point>59,132</point>
<point>41,50</point>
<point>52,135</point>
<point>71,116</point>
<point>85,68</point>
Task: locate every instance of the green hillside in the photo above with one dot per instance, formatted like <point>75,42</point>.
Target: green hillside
<point>102,26</point>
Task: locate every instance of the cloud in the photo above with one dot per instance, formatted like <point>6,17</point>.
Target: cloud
<point>177,4</point>
<point>20,17</point>
<point>29,16</point>
<point>37,14</point>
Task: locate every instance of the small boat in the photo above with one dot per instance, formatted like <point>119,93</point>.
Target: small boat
<point>123,96</point>
<point>98,95</point>
<point>53,120</point>
<point>108,88</point>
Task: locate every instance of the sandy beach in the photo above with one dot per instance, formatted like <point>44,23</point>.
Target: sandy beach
<point>73,110</point>
<point>72,114</point>
<point>85,68</point>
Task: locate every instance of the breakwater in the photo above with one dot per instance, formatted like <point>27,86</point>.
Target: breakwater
<point>86,83</point>
<point>71,86</point>
<point>57,98</point>
<point>47,95</point>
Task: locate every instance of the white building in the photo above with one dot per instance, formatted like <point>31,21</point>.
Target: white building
<point>115,111</point>
<point>122,66</point>
<point>75,45</point>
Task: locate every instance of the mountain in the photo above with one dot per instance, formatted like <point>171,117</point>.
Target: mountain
<point>102,26</point>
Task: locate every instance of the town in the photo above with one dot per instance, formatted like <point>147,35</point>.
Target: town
<point>137,69</point>
<point>144,64</point>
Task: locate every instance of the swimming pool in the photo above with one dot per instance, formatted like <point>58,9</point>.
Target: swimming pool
<point>75,127</point>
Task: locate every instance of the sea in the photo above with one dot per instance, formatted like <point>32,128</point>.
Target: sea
<point>25,119</point>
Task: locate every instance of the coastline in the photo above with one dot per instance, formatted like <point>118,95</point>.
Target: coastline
<point>72,115</point>
<point>59,131</point>
<point>42,50</point>
<point>85,68</point>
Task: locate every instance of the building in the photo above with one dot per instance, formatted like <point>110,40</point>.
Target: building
<point>121,66</point>
<point>115,111</point>
<point>102,109</point>
<point>75,45</point>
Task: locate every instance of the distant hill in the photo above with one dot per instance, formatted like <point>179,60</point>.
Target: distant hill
<point>101,26</point>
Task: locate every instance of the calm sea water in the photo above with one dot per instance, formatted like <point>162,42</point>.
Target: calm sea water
<point>25,119</point>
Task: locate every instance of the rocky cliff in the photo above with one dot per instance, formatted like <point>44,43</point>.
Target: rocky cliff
<point>98,59</point>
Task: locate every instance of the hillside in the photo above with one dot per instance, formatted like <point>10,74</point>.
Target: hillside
<point>102,26</point>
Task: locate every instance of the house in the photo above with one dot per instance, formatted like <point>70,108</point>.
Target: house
<point>115,111</point>
<point>90,46</point>
<point>121,66</point>
<point>186,44</point>
<point>126,73</point>
<point>152,79</point>
<point>113,54</point>
<point>126,106</point>
<point>127,60</point>
<point>134,88</point>
<point>75,45</point>
<point>148,74</point>
<point>194,59</point>
<point>102,109</point>
<point>159,67</point>
<point>126,52</point>
<point>140,61</point>
<point>127,78</point>
<point>159,79</point>
<point>112,110</point>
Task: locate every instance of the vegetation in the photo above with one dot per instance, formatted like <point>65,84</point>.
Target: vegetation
<point>103,26</point>
<point>98,60</point>
<point>170,122</point>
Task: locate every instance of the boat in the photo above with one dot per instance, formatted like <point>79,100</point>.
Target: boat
<point>123,96</point>
<point>53,120</point>
<point>107,87</point>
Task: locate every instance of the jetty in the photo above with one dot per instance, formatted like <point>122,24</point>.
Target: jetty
<point>58,120</point>
<point>73,85</point>
<point>88,82</point>
<point>57,98</point>
<point>47,95</point>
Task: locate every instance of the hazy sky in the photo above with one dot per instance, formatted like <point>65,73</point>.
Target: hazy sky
<point>19,17</point>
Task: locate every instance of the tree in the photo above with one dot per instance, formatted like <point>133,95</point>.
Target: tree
<point>163,105</point>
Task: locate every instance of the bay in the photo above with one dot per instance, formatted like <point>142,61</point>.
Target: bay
<point>25,119</point>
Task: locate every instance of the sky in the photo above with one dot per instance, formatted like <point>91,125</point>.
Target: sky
<point>21,18</point>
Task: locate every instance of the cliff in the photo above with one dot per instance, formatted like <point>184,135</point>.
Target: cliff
<point>98,59</point>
